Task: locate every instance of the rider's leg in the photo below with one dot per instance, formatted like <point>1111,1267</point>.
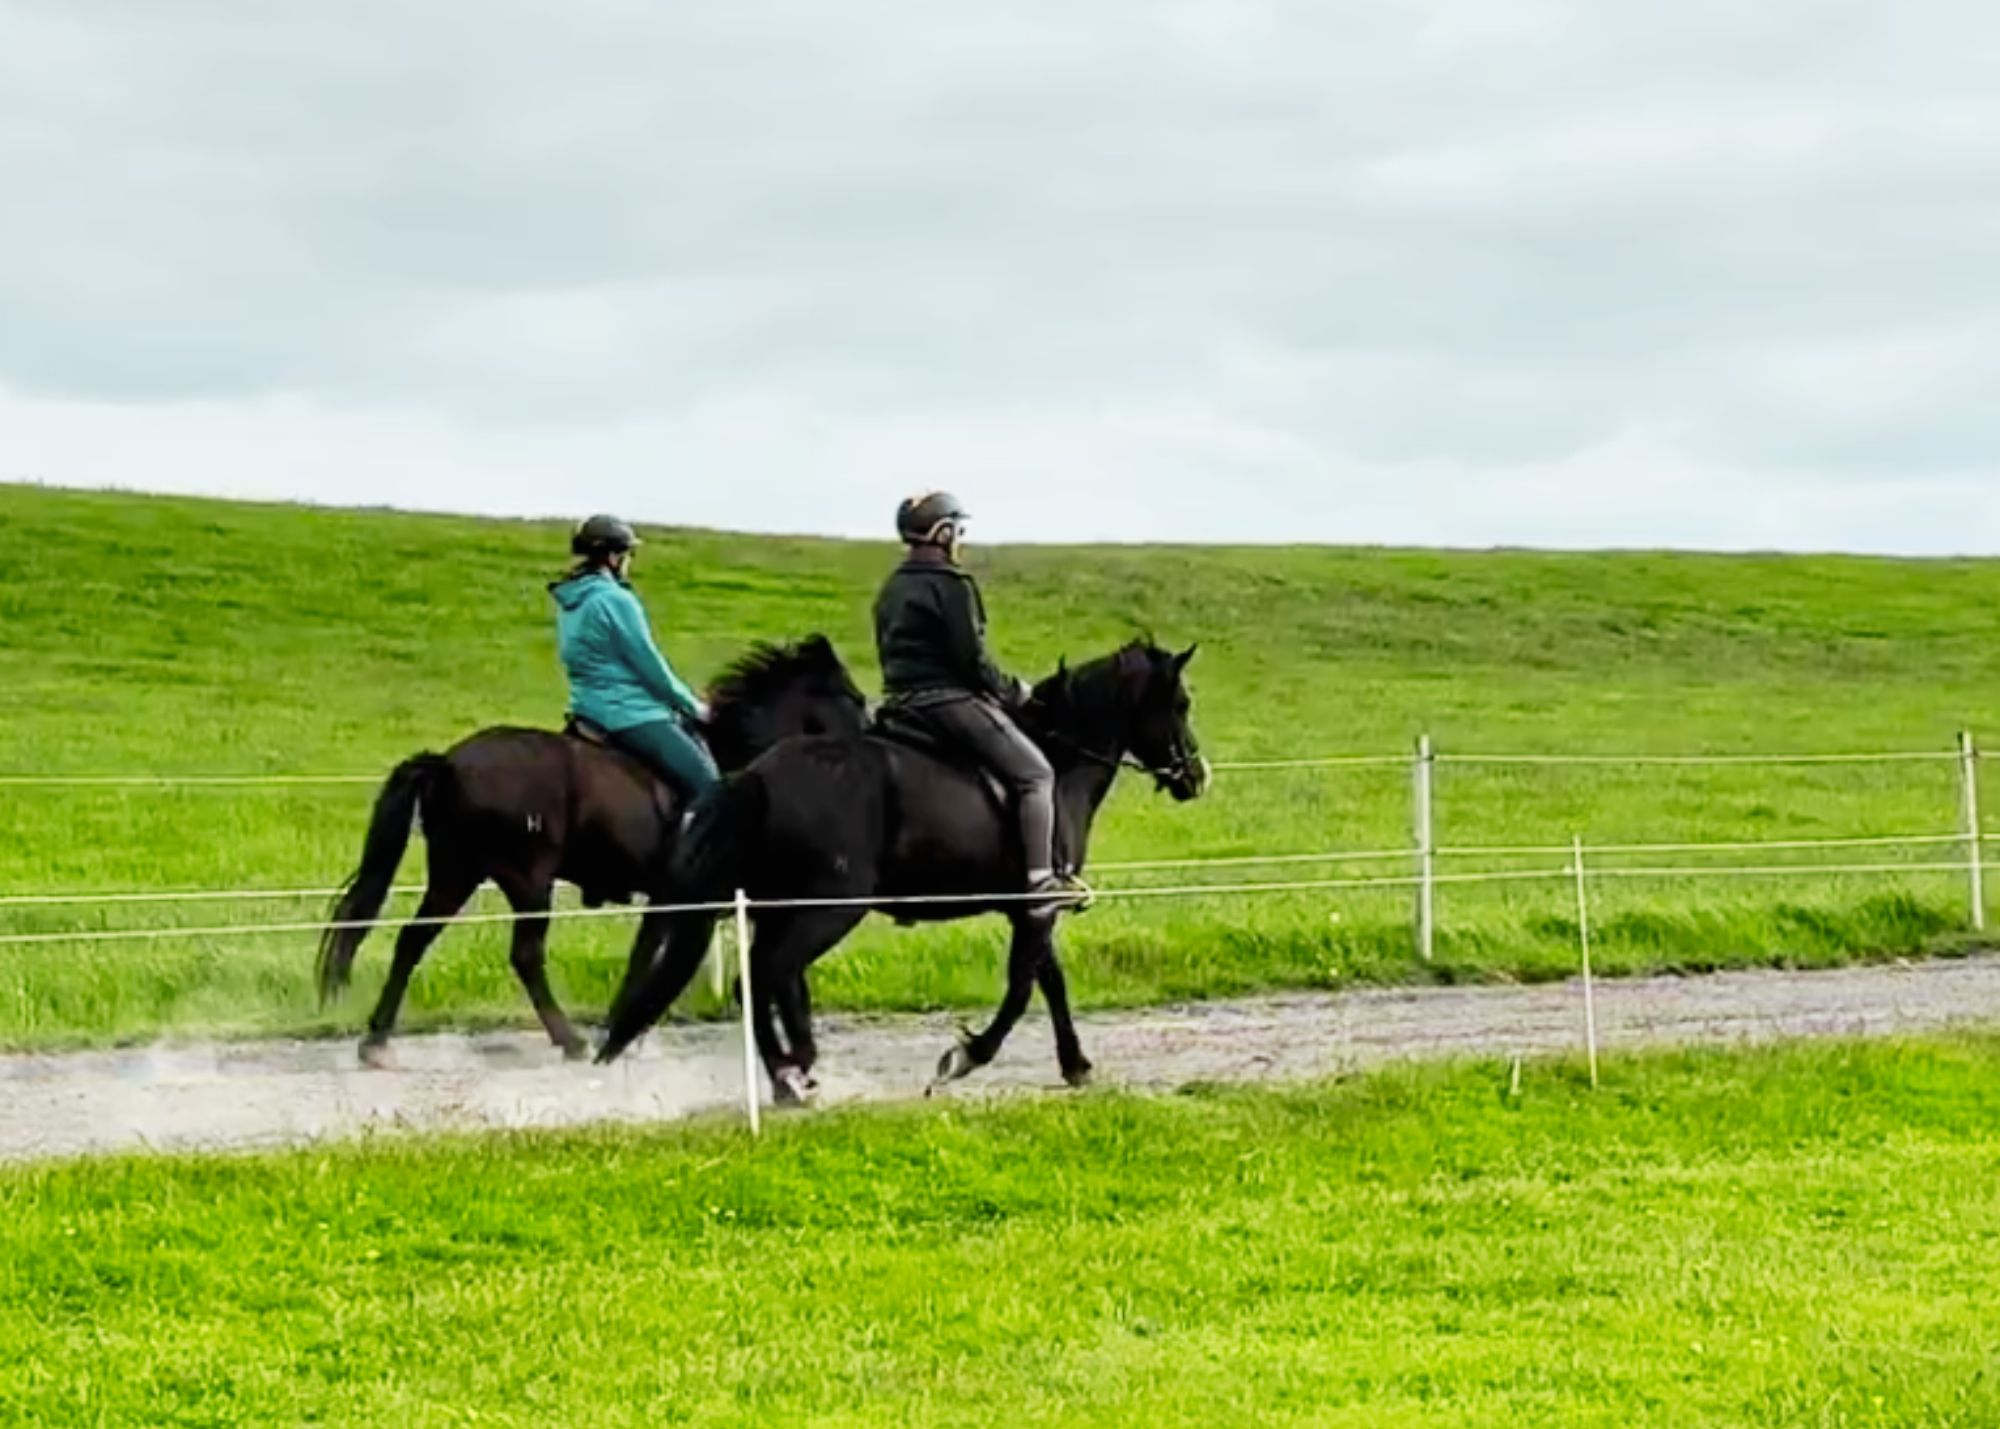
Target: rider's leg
<point>984,729</point>
<point>669,750</point>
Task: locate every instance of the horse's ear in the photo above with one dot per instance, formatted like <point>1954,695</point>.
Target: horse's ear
<point>1182,660</point>
<point>1055,690</point>
<point>817,647</point>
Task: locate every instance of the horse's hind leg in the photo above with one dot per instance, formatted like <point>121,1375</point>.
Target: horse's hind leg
<point>795,1012</point>
<point>447,892</point>
<point>785,1088</point>
<point>530,957</point>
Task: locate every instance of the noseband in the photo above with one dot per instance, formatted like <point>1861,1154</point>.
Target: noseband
<point>1182,767</point>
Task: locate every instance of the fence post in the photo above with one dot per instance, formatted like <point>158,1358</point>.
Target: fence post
<point>1968,775</point>
<point>1421,774</point>
<point>1583,940</point>
<point>751,1088</point>
<point>718,971</point>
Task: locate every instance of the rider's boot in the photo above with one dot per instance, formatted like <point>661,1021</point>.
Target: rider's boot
<point>1052,891</point>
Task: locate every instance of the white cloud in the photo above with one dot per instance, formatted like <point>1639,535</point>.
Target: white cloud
<point>1469,271</point>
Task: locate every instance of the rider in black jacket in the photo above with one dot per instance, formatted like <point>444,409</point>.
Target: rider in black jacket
<point>930,632</point>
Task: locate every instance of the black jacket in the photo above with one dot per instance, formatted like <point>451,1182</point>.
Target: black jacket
<point>930,633</point>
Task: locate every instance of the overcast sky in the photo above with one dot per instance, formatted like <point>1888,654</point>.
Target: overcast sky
<point>1551,272</point>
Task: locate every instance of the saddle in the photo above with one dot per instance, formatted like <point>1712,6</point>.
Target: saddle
<point>584,731</point>
<point>907,727</point>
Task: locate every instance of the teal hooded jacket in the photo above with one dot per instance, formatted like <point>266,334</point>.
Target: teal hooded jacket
<point>618,679</point>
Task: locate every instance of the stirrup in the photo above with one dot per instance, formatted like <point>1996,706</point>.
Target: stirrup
<point>1059,893</point>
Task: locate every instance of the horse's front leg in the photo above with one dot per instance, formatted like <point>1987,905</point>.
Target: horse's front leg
<point>1055,992</point>
<point>1033,945</point>
<point>647,942</point>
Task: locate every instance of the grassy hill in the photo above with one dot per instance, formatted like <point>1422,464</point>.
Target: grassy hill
<point>163,636</point>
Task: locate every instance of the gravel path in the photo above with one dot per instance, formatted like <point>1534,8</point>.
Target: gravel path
<point>184,1096</point>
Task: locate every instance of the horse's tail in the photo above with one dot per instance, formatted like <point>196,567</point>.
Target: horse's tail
<point>361,899</point>
<point>723,831</point>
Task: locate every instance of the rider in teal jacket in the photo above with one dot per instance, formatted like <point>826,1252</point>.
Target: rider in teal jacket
<point>618,679</point>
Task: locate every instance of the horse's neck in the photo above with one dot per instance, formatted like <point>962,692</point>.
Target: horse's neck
<point>1081,789</point>
<point>1086,762</point>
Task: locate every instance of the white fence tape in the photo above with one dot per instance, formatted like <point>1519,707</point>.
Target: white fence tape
<point>181,781</point>
<point>995,901</point>
<point>1719,846</point>
<point>141,897</point>
<point>1422,855</point>
<point>1239,766</point>
<point>1645,760</point>
<point>195,895</point>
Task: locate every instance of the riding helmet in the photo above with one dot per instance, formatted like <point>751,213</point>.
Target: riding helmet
<point>921,519</point>
<point>603,536</point>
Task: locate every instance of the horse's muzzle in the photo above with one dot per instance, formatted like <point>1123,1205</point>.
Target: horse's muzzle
<point>1188,780</point>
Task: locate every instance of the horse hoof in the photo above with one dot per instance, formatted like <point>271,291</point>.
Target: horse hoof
<point>577,1051</point>
<point>792,1087</point>
<point>955,1065</point>
<point>376,1056</point>
<point>1080,1076</point>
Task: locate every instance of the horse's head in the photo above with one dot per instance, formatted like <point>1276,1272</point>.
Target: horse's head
<point>1133,707</point>
<point>778,691</point>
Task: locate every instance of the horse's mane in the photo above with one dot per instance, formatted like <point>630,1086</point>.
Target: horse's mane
<point>1139,651</point>
<point>1091,688</point>
<point>763,671</point>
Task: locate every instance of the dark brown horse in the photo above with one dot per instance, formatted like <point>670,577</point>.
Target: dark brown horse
<point>528,808</point>
<point>866,822</point>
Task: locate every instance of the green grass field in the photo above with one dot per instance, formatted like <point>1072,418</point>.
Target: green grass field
<point>163,636</point>
<point>1807,1235</point>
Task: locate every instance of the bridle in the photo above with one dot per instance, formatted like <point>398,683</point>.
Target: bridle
<point>1182,768</point>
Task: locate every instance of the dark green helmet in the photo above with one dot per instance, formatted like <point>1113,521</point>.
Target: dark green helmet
<point>921,520</point>
<point>603,536</point>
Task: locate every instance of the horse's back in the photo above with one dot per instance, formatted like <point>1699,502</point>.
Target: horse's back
<point>538,798</point>
<point>824,795</point>
<point>508,768</point>
<point>864,803</point>
<point>823,775</point>
<point>615,799</point>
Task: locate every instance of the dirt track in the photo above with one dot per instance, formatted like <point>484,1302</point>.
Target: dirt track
<point>186,1096</point>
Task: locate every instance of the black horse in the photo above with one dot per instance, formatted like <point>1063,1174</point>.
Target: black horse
<point>527,808</point>
<point>880,819</point>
